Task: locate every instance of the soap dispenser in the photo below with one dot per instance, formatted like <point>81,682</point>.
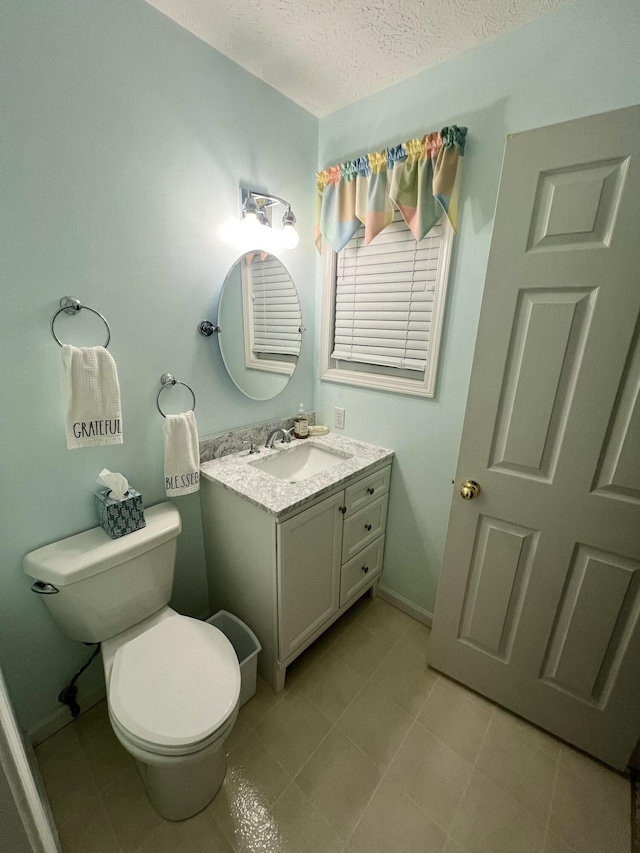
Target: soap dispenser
<point>301,423</point>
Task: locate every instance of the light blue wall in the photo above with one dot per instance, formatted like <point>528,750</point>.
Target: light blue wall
<point>125,141</point>
<point>580,60</point>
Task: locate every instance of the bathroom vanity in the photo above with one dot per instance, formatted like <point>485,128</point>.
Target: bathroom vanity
<point>293,537</point>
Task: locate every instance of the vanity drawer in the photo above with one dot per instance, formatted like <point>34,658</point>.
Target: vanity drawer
<point>363,527</point>
<point>357,573</point>
<point>367,490</point>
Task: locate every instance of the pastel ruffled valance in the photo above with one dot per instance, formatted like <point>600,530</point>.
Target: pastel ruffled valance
<point>421,178</point>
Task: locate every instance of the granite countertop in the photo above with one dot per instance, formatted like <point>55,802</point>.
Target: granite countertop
<point>277,496</point>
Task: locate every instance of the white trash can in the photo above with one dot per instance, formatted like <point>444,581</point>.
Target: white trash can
<point>246,646</point>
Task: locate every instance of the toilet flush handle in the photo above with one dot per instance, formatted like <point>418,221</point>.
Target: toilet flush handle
<point>43,588</point>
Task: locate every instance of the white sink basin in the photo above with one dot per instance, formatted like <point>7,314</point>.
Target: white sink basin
<point>300,463</point>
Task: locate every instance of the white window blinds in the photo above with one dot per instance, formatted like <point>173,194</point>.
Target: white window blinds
<point>385,297</point>
<point>276,309</point>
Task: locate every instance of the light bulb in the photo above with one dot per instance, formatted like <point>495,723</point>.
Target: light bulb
<point>253,234</point>
<point>251,226</point>
<point>231,231</point>
<point>289,237</point>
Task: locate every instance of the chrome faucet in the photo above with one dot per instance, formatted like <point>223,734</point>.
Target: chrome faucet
<point>286,436</point>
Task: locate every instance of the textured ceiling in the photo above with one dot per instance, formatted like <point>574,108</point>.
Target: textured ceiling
<point>329,53</point>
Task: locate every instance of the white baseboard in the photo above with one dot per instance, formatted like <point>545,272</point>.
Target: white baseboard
<point>59,718</point>
<point>408,607</point>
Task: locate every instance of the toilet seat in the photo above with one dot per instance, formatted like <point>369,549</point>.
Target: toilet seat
<point>174,687</point>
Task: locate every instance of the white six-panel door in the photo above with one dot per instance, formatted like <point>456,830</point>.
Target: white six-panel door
<point>539,600</point>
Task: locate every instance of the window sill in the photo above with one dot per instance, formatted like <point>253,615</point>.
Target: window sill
<point>269,365</point>
<point>415,388</point>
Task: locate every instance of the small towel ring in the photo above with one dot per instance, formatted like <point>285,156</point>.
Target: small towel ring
<point>168,379</point>
<point>71,305</point>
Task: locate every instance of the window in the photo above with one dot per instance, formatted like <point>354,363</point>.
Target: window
<point>383,309</point>
<point>272,317</point>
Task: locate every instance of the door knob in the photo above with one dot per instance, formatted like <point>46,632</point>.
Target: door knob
<point>469,489</point>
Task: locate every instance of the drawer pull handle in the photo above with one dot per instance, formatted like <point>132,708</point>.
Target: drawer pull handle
<point>365,569</point>
<point>367,527</point>
<point>342,509</point>
<point>370,490</point>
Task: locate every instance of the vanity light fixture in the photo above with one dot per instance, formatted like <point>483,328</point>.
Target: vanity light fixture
<point>256,214</point>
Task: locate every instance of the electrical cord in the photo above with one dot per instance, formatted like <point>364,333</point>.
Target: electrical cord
<point>68,695</point>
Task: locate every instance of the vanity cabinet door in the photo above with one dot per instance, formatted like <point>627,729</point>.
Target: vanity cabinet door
<point>309,548</point>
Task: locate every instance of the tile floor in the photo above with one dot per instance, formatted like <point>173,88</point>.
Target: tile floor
<point>365,751</point>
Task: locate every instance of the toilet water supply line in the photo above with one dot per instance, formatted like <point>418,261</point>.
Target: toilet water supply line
<point>68,695</point>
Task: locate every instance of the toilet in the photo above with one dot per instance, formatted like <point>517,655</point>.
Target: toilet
<point>173,682</point>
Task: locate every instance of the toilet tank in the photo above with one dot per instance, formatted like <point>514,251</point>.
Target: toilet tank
<point>107,585</point>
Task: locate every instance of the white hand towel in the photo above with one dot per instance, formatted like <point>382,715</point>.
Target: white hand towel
<point>92,396</point>
<point>181,455</point>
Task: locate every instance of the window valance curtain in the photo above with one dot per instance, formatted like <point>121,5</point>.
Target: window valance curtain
<point>420,178</point>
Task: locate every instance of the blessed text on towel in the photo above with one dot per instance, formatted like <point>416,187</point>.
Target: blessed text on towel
<point>182,481</point>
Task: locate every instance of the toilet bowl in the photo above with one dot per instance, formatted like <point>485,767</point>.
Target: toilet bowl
<point>173,689</point>
<point>173,682</point>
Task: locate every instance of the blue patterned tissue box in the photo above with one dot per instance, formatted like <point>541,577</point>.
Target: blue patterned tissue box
<point>120,517</point>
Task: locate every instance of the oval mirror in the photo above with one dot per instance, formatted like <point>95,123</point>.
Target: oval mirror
<point>260,325</point>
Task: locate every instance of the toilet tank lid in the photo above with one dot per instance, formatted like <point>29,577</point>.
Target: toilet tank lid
<point>85,554</point>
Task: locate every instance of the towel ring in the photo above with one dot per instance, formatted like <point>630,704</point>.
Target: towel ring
<point>168,379</point>
<point>71,305</point>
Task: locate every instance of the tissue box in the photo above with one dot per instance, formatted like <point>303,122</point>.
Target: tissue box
<point>120,517</point>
